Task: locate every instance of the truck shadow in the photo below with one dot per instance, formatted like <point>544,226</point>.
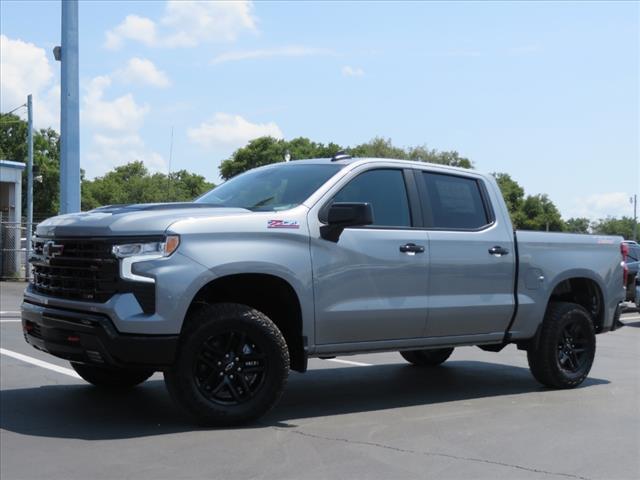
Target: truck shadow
<point>85,412</point>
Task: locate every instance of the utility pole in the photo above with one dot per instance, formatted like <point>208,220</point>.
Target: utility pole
<point>29,182</point>
<point>634,200</point>
<point>69,110</point>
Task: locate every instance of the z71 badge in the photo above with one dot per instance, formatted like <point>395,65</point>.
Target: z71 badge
<point>283,224</point>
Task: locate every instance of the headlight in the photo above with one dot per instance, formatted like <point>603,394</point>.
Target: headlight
<point>157,249</point>
<point>130,253</point>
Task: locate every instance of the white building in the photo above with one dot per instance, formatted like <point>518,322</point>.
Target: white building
<point>11,261</point>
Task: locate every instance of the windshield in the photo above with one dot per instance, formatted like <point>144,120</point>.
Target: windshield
<point>280,187</point>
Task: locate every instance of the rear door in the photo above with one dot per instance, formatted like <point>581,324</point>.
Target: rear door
<point>471,253</point>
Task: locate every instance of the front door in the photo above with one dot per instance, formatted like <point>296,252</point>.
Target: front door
<point>369,286</point>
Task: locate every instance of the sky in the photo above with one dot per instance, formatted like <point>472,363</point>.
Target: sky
<point>548,92</point>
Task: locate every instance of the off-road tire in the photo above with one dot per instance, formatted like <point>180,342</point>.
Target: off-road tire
<point>114,378</point>
<point>200,348</point>
<point>548,360</point>
<point>427,358</point>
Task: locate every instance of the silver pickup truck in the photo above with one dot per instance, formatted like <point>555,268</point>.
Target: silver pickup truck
<point>313,258</point>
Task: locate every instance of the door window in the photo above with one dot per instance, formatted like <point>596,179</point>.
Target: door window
<point>452,202</point>
<point>385,190</point>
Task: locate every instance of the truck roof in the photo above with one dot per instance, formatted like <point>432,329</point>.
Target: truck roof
<point>361,160</point>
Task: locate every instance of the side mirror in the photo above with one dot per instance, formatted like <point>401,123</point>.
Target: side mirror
<point>344,215</point>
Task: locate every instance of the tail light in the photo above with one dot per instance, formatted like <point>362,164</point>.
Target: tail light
<point>624,250</point>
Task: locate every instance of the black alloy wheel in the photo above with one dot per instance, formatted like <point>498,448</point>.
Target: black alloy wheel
<point>562,354</point>
<point>229,368</point>
<point>573,347</point>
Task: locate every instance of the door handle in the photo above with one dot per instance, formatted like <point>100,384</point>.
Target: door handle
<point>411,248</point>
<point>498,251</point>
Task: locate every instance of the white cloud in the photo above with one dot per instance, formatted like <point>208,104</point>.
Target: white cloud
<point>106,141</point>
<point>25,69</point>
<point>120,114</point>
<point>194,22</point>
<point>143,72</point>
<point>602,205</point>
<point>186,23</point>
<point>109,151</point>
<point>286,51</point>
<point>133,27</point>
<point>225,130</point>
<point>348,71</point>
<point>114,125</point>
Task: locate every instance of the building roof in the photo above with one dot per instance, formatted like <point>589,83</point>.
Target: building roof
<point>12,164</point>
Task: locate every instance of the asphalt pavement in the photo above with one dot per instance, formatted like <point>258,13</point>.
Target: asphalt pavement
<point>481,415</point>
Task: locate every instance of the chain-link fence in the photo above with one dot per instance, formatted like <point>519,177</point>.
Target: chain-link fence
<point>13,247</point>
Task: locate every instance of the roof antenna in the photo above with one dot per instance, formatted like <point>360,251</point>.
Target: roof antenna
<point>169,173</point>
<point>340,155</point>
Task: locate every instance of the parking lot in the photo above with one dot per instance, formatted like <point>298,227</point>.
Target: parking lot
<point>480,415</point>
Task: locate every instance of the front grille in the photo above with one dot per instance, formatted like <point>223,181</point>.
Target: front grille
<point>78,269</point>
<point>85,270</point>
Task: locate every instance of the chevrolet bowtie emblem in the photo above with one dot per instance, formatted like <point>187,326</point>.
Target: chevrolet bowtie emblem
<point>51,250</point>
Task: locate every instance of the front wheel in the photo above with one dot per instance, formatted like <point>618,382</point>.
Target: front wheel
<point>111,377</point>
<point>427,358</point>
<point>566,347</point>
<point>231,367</point>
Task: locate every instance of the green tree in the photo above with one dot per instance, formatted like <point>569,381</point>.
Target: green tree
<point>452,158</point>
<point>577,225</point>
<point>267,150</point>
<point>378,147</point>
<point>614,226</point>
<point>539,213</point>
<point>132,183</point>
<point>533,212</point>
<point>13,138</point>
<point>46,162</point>
<point>258,152</point>
<point>512,192</point>
<point>301,148</point>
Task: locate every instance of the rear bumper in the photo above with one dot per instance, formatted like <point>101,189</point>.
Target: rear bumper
<point>88,337</point>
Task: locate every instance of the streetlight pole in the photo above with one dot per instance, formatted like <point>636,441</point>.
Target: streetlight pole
<point>29,182</point>
<point>69,110</point>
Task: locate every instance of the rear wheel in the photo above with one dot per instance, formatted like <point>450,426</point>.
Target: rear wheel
<point>427,358</point>
<point>231,367</point>
<point>566,347</point>
<point>111,377</point>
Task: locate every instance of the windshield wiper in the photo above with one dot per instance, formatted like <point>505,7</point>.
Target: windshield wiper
<point>261,203</point>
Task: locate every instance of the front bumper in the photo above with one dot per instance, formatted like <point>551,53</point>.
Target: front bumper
<point>89,337</point>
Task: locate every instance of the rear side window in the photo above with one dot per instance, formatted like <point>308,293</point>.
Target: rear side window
<point>385,190</point>
<point>452,202</point>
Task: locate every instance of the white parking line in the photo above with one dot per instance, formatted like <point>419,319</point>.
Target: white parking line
<point>39,363</point>
<point>10,320</point>
<point>9,313</point>
<point>349,362</point>
<point>635,317</point>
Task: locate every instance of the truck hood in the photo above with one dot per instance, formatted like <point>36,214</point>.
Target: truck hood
<point>129,220</point>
